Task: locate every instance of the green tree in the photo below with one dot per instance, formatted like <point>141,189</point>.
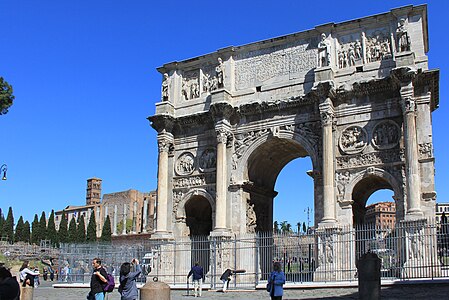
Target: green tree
<point>19,234</point>
<point>91,229</point>
<point>304,227</point>
<point>52,235</point>
<point>129,226</point>
<point>285,227</point>
<point>35,235</point>
<point>63,233</point>
<point>26,232</point>
<point>8,226</point>
<point>6,96</point>
<point>2,221</point>
<point>276,227</point>
<point>106,234</point>
<point>72,232</point>
<point>42,228</point>
<point>81,230</point>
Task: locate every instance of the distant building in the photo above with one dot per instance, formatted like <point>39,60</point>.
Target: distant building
<point>382,215</point>
<point>131,212</point>
<point>441,208</point>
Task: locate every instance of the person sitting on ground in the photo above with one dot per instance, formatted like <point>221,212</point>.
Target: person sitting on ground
<point>226,277</point>
<point>128,287</point>
<point>26,275</point>
<point>9,287</point>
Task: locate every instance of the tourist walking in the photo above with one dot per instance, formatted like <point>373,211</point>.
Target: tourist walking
<point>128,287</point>
<point>197,278</point>
<point>97,281</point>
<point>225,278</point>
<point>276,282</point>
<point>27,276</point>
<point>9,287</point>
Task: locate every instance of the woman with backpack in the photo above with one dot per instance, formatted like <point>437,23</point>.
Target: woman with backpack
<point>128,287</point>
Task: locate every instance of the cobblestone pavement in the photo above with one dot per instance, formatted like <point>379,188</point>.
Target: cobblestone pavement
<point>416,291</point>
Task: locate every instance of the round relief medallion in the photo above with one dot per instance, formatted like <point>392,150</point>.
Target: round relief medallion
<point>185,164</point>
<point>353,139</point>
<point>386,135</point>
<point>208,160</point>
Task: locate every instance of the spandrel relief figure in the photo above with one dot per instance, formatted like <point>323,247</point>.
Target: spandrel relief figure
<point>251,218</point>
<point>165,85</point>
<point>402,36</point>
<point>324,52</point>
<point>342,181</point>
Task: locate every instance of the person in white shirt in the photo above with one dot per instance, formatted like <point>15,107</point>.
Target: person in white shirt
<point>26,275</point>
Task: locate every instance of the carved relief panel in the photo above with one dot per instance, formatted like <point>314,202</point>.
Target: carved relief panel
<point>386,135</point>
<point>190,87</point>
<point>353,139</point>
<point>378,44</point>
<point>185,164</point>
<point>349,52</point>
<point>208,160</point>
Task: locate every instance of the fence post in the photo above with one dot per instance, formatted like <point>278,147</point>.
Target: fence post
<point>256,267</point>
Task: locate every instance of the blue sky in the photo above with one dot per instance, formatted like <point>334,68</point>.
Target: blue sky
<point>84,76</point>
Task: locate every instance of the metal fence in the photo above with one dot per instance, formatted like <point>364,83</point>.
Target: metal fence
<point>409,250</point>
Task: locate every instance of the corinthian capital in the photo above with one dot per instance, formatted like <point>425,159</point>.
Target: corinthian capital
<point>408,105</point>
<point>327,113</point>
<point>223,135</point>
<point>165,142</point>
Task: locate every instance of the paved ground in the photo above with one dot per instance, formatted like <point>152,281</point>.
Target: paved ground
<point>415,291</point>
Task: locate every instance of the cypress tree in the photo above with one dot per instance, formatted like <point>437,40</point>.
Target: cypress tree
<point>91,229</point>
<point>19,234</point>
<point>81,230</point>
<point>106,233</point>
<point>42,228</point>
<point>63,233</point>
<point>35,230</point>
<point>72,232</point>
<point>26,232</point>
<point>52,235</point>
<point>8,226</point>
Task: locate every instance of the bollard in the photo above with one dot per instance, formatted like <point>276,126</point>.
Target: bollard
<point>155,290</point>
<point>26,293</point>
<point>368,269</point>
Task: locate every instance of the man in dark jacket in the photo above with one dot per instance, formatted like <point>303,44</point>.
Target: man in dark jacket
<point>197,278</point>
<point>9,287</point>
<point>98,280</point>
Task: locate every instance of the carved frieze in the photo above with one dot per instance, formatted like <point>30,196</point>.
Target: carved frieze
<point>350,52</point>
<point>185,164</point>
<point>184,182</point>
<point>378,46</point>
<point>353,140</point>
<point>425,150</point>
<point>373,158</point>
<point>208,160</point>
<point>190,85</point>
<point>255,67</point>
<point>386,135</point>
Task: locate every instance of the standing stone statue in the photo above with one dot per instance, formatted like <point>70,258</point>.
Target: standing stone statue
<point>402,36</point>
<point>165,87</point>
<point>324,52</point>
<point>220,71</point>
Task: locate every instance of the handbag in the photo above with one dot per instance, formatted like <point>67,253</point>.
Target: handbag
<point>270,284</point>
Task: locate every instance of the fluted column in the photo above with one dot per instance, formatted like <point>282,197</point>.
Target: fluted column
<point>164,143</point>
<point>114,230</point>
<point>124,218</point>
<point>327,119</point>
<point>413,181</point>
<point>223,132</point>
<point>145,216</point>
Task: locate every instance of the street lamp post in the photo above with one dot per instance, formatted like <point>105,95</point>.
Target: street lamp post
<point>3,170</point>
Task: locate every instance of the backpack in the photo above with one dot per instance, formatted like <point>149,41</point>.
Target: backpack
<point>110,284</point>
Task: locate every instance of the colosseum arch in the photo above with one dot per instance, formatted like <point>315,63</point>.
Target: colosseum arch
<point>355,97</point>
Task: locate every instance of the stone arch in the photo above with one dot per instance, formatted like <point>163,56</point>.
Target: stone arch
<point>260,166</point>
<point>242,167</point>
<point>181,212</point>
<point>366,182</point>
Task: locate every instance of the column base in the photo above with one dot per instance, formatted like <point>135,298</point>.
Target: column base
<point>414,215</point>
<point>221,232</point>
<point>325,223</point>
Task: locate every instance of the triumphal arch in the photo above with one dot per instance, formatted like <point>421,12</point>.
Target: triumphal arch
<point>356,97</point>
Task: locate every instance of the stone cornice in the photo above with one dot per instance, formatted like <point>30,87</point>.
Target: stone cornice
<point>162,122</point>
<point>429,79</point>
